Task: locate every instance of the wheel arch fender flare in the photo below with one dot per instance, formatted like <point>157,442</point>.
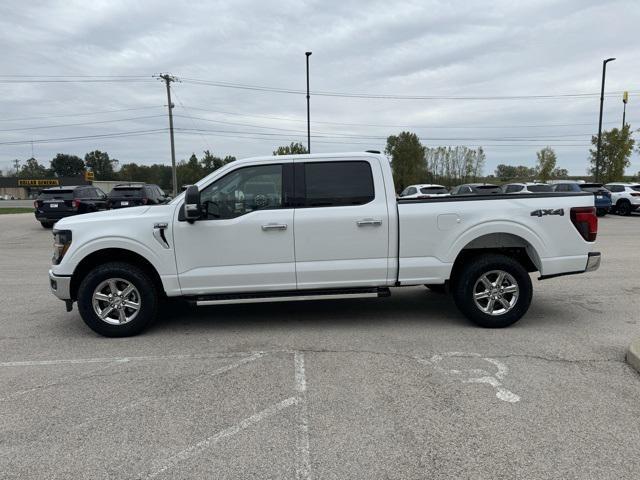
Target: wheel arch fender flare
<point>499,235</point>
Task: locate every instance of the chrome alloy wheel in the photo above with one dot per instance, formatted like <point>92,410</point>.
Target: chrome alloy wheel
<point>116,301</point>
<point>496,292</point>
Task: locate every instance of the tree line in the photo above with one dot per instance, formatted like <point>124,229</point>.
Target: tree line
<point>414,163</point>
<point>106,168</point>
<point>411,161</point>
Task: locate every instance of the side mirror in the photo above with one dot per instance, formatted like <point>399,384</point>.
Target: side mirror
<point>192,209</point>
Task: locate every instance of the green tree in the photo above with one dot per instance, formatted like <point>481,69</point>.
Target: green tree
<point>32,169</point>
<point>64,165</point>
<point>293,149</point>
<point>617,146</point>
<point>101,165</point>
<point>407,159</point>
<point>546,163</point>
<point>514,172</point>
<point>560,173</point>
<point>211,163</point>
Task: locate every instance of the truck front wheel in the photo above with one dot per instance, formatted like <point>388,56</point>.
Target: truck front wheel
<point>493,291</point>
<point>117,299</point>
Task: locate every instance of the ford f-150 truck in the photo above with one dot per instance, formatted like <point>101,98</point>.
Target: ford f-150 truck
<point>308,227</point>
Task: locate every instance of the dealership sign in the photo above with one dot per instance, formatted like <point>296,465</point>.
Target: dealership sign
<point>42,182</point>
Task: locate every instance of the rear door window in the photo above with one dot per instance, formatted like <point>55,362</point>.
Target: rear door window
<point>56,194</point>
<point>337,184</point>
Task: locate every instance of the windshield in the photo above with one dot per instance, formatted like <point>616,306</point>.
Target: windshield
<point>433,190</point>
<point>539,188</point>
<point>635,188</point>
<point>488,189</point>
<point>126,192</point>
<point>59,194</point>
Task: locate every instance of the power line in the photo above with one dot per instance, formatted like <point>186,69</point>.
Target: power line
<point>290,119</point>
<point>132,133</point>
<point>41,117</point>
<point>391,96</point>
<point>80,124</point>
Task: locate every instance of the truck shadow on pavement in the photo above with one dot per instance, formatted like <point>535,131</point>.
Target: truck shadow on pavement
<point>415,305</point>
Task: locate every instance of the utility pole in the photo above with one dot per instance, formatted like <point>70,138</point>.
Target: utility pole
<point>625,99</point>
<point>604,72</point>
<point>16,164</point>
<point>167,78</point>
<point>308,114</point>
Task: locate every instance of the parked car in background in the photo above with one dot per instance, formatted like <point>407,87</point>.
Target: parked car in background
<point>59,202</point>
<point>566,186</point>
<point>601,195</point>
<point>625,197</point>
<point>476,189</point>
<point>424,191</point>
<point>136,194</point>
<point>528,187</point>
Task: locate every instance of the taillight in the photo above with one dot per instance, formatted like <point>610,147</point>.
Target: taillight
<point>586,222</point>
<point>635,194</point>
<point>75,203</point>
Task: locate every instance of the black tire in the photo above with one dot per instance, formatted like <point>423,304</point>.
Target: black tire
<point>464,288</point>
<point>46,224</point>
<point>623,207</point>
<point>437,288</point>
<point>146,290</point>
<point>601,212</point>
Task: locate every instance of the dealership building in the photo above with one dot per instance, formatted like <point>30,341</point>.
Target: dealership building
<point>27,188</point>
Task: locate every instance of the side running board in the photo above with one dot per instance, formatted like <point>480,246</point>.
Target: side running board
<point>289,295</point>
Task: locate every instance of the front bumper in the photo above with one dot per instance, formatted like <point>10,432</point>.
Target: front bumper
<point>60,286</point>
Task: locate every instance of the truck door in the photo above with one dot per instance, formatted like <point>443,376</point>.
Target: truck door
<point>244,240</point>
<point>341,224</point>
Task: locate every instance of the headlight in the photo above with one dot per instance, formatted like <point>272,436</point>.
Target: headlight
<point>61,243</point>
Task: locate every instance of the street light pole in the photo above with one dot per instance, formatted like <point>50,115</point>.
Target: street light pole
<point>604,72</point>
<point>625,99</point>
<point>308,114</point>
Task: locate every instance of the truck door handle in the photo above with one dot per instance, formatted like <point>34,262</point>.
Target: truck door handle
<point>376,222</point>
<point>274,226</point>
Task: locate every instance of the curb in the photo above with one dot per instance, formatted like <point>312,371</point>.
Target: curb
<point>633,354</point>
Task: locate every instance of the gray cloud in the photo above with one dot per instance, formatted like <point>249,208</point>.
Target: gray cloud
<point>453,48</point>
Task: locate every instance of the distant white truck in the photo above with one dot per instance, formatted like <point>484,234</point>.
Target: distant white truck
<point>313,227</point>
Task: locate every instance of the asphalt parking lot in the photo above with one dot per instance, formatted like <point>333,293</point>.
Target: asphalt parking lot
<point>397,388</point>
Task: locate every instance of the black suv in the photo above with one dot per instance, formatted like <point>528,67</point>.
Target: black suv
<point>136,194</point>
<point>58,202</point>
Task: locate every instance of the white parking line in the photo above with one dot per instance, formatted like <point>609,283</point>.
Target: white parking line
<point>147,399</point>
<point>75,361</point>
<point>227,432</point>
<point>303,464</point>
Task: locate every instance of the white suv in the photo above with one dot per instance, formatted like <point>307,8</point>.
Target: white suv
<point>625,197</point>
<point>424,191</point>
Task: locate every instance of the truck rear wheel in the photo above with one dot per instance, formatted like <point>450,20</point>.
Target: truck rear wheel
<point>493,291</point>
<point>117,299</point>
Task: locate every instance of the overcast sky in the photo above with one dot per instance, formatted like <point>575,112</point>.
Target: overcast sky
<point>442,49</point>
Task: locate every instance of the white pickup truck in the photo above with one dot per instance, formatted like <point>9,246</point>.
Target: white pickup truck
<point>309,227</point>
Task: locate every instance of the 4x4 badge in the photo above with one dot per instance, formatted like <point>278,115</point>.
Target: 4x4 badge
<point>548,211</point>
